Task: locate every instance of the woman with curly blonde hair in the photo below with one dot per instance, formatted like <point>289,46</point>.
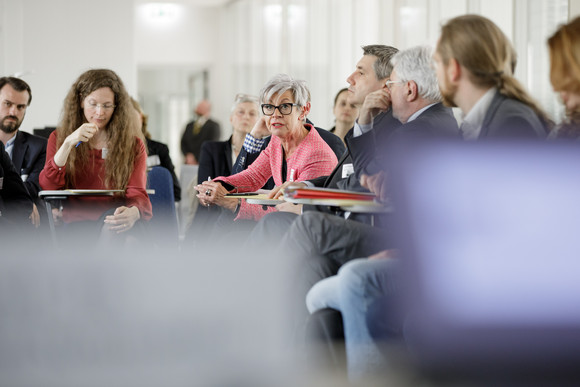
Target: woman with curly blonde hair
<point>95,147</point>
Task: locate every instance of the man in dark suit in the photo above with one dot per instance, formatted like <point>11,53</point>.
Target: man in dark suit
<point>321,243</point>
<point>197,132</point>
<point>15,202</point>
<point>27,151</point>
<point>493,102</point>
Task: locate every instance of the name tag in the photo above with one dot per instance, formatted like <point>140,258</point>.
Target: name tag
<point>104,152</point>
<point>347,170</point>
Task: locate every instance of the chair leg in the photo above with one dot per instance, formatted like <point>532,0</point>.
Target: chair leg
<point>48,206</point>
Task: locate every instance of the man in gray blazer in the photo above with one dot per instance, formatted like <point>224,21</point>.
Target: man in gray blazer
<point>27,151</point>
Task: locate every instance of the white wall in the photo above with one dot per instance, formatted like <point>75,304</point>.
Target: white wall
<point>173,42</point>
<point>54,41</point>
<point>574,8</point>
<point>320,40</point>
<point>242,44</point>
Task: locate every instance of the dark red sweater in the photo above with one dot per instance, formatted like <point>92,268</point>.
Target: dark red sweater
<point>78,208</point>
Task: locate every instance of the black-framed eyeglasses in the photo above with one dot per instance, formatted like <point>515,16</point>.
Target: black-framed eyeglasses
<point>285,108</point>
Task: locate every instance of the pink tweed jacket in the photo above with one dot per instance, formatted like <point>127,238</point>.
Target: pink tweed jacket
<point>312,158</point>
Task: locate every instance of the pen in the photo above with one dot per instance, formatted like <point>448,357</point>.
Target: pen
<point>242,194</point>
<point>78,143</point>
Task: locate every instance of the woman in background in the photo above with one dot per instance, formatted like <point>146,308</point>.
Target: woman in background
<point>217,159</point>
<point>94,147</point>
<point>345,113</point>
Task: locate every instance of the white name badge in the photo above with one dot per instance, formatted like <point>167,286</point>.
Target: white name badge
<point>104,152</point>
<point>347,170</point>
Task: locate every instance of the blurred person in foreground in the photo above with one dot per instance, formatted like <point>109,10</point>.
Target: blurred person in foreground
<point>95,147</point>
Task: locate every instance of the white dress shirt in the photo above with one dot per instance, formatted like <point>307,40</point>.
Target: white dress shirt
<point>473,121</point>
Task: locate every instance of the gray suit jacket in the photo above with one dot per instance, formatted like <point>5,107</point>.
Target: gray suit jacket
<point>509,118</point>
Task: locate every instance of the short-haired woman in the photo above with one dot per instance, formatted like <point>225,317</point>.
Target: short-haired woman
<point>296,151</point>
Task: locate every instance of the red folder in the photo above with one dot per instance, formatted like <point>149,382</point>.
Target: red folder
<point>327,193</point>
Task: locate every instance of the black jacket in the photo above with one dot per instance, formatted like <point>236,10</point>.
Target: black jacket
<point>191,142</point>
<point>28,157</point>
<point>15,201</point>
<point>161,150</point>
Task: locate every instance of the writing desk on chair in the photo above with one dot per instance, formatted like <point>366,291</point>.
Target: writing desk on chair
<point>51,195</point>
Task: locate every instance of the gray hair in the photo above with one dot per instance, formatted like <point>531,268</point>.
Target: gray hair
<point>416,64</point>
<point>281,83</point>
<point>243,98</point>
<point>384,54</point>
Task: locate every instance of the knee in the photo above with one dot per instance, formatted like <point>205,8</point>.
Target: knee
<point>309,225</point>
<point>353,275</point>
<point>313,299</point>
<point>299,228</point>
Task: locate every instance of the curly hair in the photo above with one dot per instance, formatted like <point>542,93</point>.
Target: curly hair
<point>122,145</point>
